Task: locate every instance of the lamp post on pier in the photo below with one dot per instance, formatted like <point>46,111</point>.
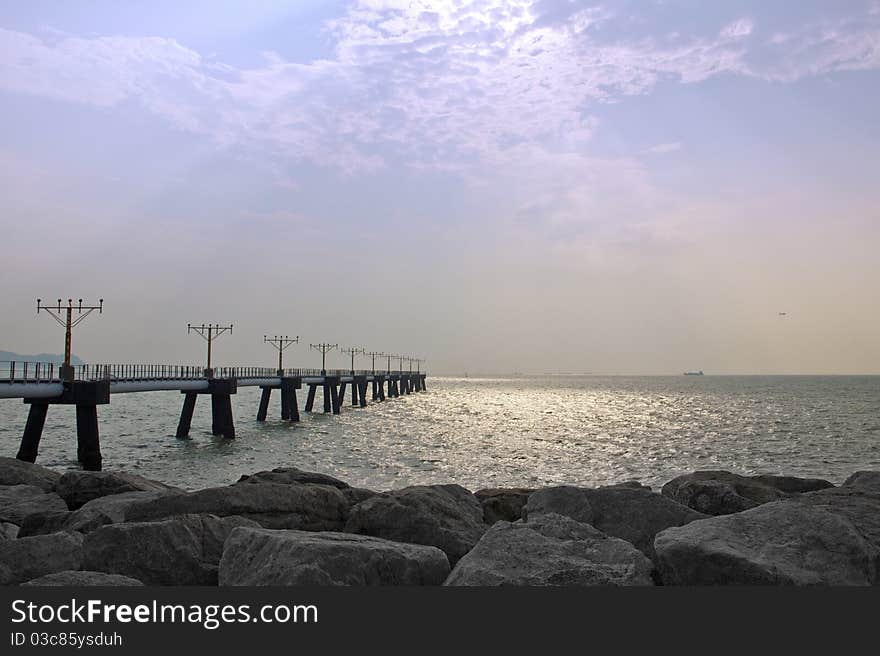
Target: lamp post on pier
<point>280,343</point>
<point>353,352</point>
<point>373,354</point>
<point>209,332</point>
<point>323,348</point>
<point>69,322</point>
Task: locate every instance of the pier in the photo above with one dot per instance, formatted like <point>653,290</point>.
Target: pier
<point>88,386</point>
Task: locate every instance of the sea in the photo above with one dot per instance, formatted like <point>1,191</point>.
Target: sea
<point>522,431</point>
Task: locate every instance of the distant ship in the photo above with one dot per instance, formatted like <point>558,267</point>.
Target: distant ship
<point>694,373</point>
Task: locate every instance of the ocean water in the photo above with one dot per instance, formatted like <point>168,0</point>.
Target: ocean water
<point>493,432</point>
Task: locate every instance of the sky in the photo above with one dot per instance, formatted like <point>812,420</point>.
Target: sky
<point>526,186</point>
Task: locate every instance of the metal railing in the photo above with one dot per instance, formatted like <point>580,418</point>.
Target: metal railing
<point>28,372</point>
<point>46,372</point>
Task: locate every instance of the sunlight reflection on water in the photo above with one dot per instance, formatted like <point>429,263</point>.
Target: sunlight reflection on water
<point>500,432</point>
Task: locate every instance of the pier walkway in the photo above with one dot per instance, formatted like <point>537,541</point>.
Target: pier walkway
<point>88,386</point>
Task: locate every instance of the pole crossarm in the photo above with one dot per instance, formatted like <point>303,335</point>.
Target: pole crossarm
<point>280,342</point>
<point>374,355</point>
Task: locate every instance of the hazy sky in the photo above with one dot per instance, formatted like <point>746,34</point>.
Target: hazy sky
<point>630,187</point>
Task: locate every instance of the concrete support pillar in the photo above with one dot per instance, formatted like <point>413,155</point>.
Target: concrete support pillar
<point>221,416</point>
<point>363,393</point>
<point>375,391</point>
<point>294,407</point>
<point>342,387</point>
<point>328,404</point>
<point>310,399</point>
<point>88,445</point>
<point>33,431</point>
<point>264,404</point>
<point>334,397</point>
<point>289,407</point>
<point>381,389</point>
<point>186,415</point>
<point>355,391</point>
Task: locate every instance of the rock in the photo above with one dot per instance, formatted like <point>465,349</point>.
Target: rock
<point>82,578</point>
<point>185,550</point>
<point>444,516</point>
<point>550,550</point>
<point>293,476</point>
<point>564,500</point>
<point>858,505</point>
<point>502,503</point>
<point>19,501</point>
<point>27,558</point>
<point>19,472</point>
<point>8,531</point>
<point>354,495</point>
<point>868,480</point>
<point>779,543</point>
<point>634,514</point>
<point>272,505</point>
<point>80,487</point>
<point>264,557</point>
<point>722,493</point>
<point>96,513</point>
<point>633,484</point>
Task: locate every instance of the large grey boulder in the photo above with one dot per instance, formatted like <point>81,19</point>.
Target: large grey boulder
<point>27,558</point>
<point>293,476</point>
<point>272,505</point>
<point>19,472</point>
<point>84,578</point>
<point>779,543</point>
<point>185,550</point>
<point>80,487</point>
<point>19,501</point>
<point>502,503</point>
<point>632,513</point>
<point>722,492</point>
<point>551,550</point>
<point>858,505</point>
<point>265,557</point>
<point>866,480</point>
<point>96,513</point>
<point>444,516</point>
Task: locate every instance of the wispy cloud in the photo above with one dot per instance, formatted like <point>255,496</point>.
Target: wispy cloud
<point>425,83</point>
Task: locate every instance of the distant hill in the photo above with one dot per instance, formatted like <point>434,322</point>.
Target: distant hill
<point>6,356</point>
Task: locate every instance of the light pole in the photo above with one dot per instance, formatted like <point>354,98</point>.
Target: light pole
<point>280,343</point>
<point>209,332</point>
<point>353,352</point>
<point>373,354</point>
<point>323,348</point>
<point>69,322</point>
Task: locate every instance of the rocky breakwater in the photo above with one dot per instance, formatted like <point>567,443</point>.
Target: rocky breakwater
<point>292,527</point>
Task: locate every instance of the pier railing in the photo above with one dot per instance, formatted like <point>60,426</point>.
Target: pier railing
<point>47,372</point>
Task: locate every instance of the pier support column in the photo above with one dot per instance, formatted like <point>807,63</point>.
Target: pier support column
<point>355,390</point>
<point>264,404</point>
<point>375,391</point>
<point>381,387</point>
<point>88,446</point>
<point>294,407</point>
<point>186,415</point>
<point>33,431</point>
<point>310,399</point>
<point>289,408</point>
<point>342,392</point>
<point>335,401</point>
<point>221,416</point>
<point>362,397</point>
<point>328,407</point>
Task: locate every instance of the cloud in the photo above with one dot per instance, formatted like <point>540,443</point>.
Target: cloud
<point>421,83</point>
<point>661,149</point>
